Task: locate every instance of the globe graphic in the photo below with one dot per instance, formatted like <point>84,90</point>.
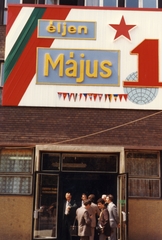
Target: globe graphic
<point>140,96</point>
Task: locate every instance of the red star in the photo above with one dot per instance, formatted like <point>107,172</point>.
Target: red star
<point>122,29</point>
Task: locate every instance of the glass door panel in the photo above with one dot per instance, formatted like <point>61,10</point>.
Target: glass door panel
<point>45,206</point>
<point>90,163</point>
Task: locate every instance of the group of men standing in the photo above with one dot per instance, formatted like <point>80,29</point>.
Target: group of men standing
<point>89,215</point>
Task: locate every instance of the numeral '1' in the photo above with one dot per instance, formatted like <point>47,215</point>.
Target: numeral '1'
<point>148,65</point>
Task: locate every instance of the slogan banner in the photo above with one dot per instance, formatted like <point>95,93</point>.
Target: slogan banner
<point>83,57</point>
<point>66,29</point>
<point>62,66</point>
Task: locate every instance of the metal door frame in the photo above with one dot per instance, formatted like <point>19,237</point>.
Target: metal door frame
<point>79,149</point>
<point>122,200</point>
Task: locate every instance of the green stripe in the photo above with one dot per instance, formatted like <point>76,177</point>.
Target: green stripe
<point>22,40</point>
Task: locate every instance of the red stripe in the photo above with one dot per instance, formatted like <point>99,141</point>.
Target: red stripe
<point>25,68</point>
<point>11,16</point>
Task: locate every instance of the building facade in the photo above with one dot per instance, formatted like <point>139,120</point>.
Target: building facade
<point>67,127</point>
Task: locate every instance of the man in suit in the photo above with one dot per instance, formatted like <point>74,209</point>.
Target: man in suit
<point>69,212</point>
<point>84,221</point>
<point>83,198</point>
<point>94,212</point>
<point>113,215</point>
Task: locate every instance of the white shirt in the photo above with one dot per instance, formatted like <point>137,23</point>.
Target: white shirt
<point>66,208</point>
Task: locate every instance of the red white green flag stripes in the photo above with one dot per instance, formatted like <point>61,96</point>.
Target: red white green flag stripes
<point>20,63</point>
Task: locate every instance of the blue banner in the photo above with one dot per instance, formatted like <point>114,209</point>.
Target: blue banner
<point>67,29</point>
<point>75,66</point>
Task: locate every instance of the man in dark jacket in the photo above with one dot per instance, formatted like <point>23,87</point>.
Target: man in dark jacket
<point>103,220</point>
<point>69,212</point>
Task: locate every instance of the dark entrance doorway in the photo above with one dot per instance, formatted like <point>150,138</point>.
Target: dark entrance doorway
<point>88,183</point>
<point>76,173</point>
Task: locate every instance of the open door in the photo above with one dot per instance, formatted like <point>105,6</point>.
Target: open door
<point>45,206</point>
<point>122,190</point>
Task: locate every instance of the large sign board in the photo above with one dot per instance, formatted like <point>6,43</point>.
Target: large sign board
<point>59,56</point>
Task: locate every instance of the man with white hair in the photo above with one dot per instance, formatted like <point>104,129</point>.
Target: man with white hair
<point>104,198</point>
